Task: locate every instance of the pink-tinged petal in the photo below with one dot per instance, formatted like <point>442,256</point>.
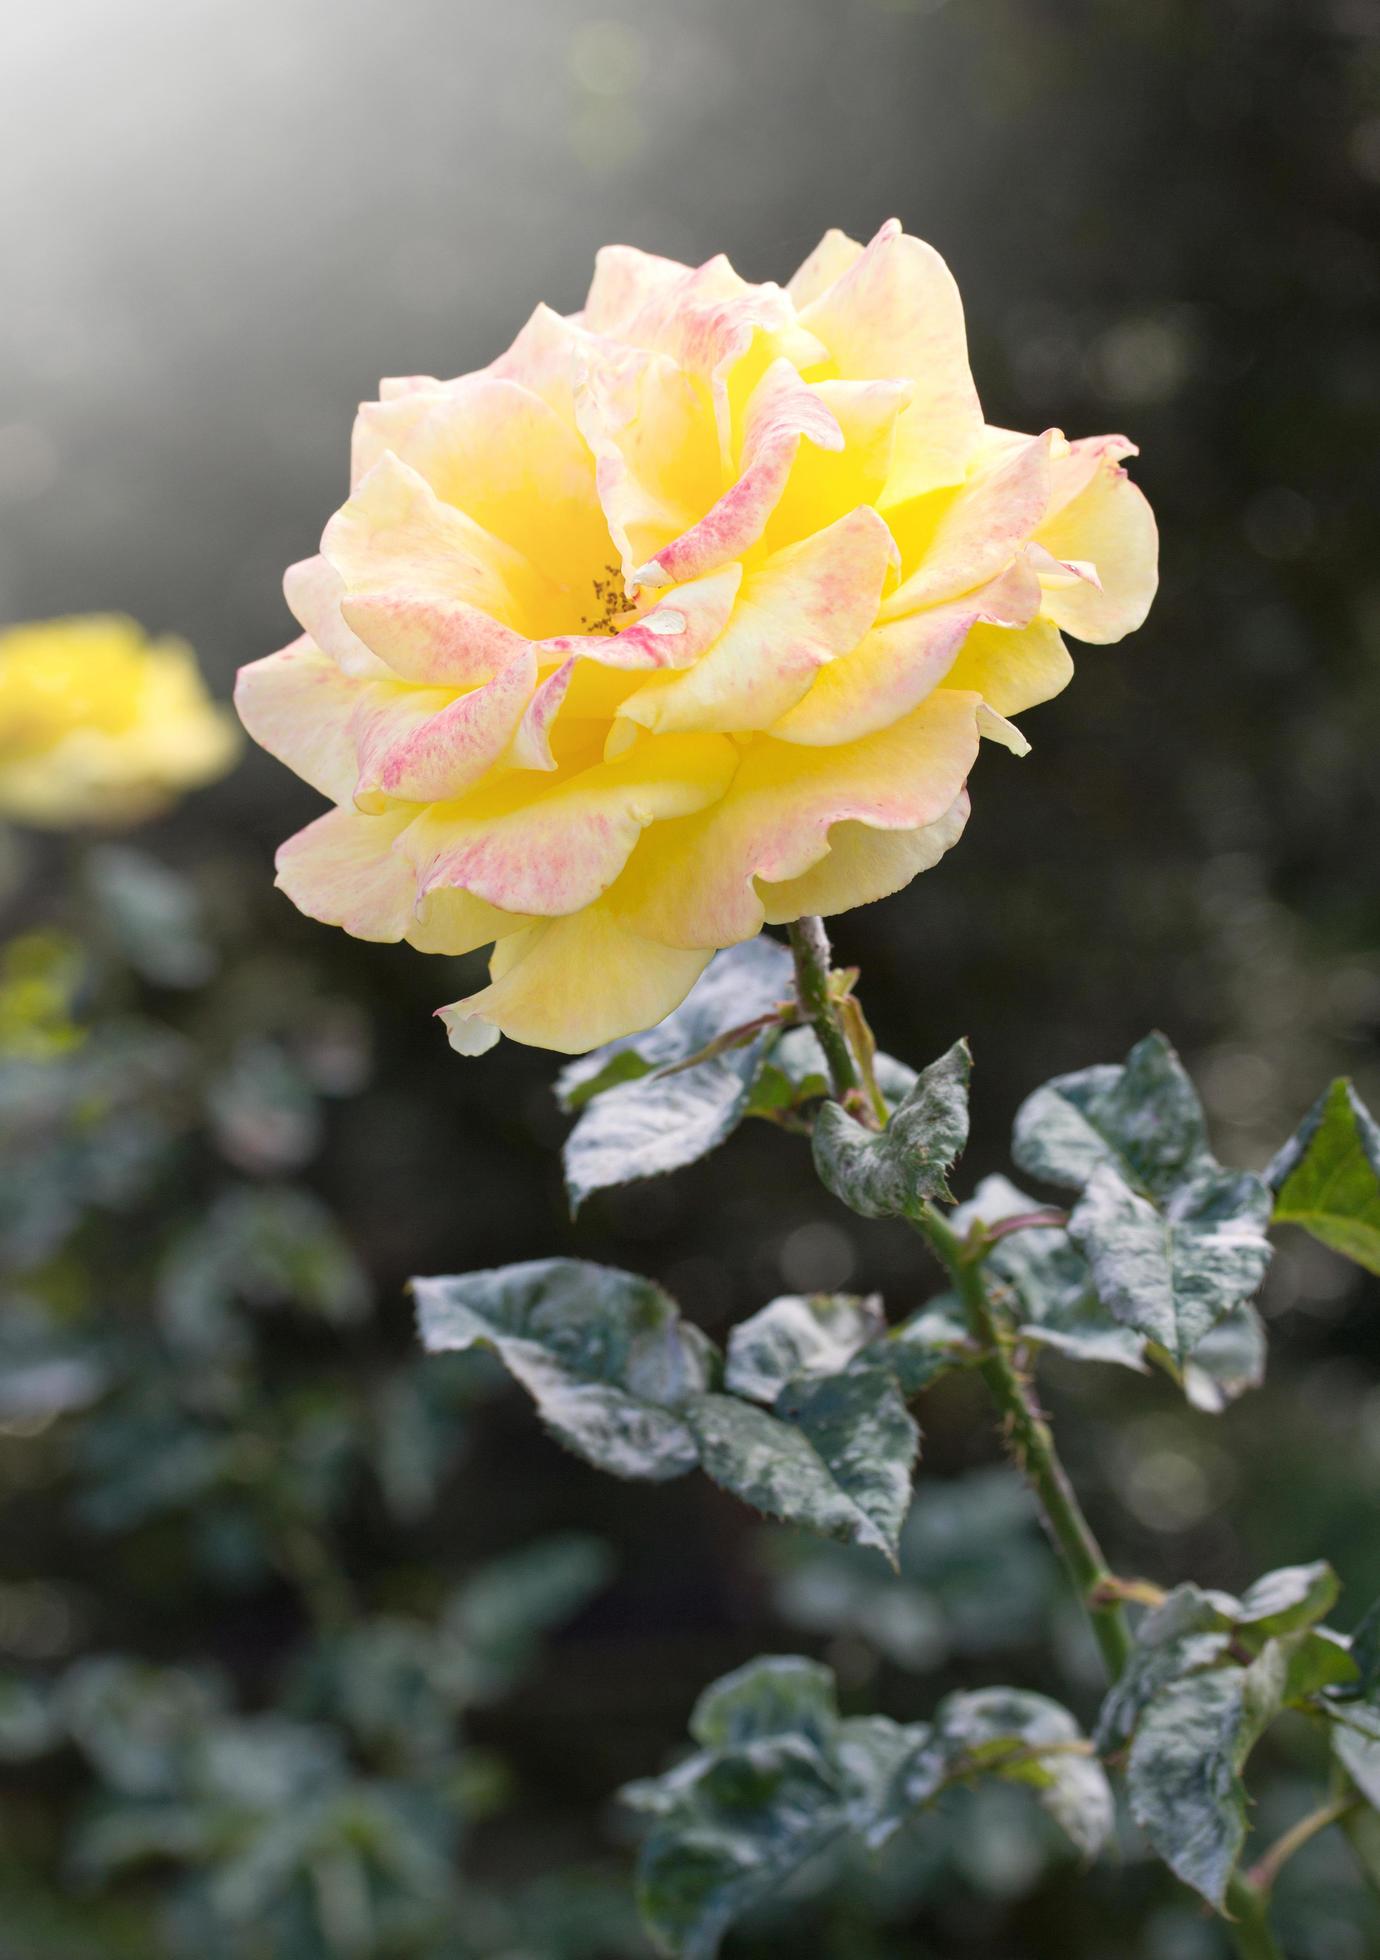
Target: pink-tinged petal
<point>449,748</point>
<point>457,922</point>
<point>548,358</point>
<point>800,609</point>
<point>532,740</point>
<point>899,663</point>
<point>692,883</point>
<point>655,446</point>
<point>383,427</point>
<point>572,984</point>
<point>826,483</point>
<point>895,312</point>
<point>297,704</point>
<point>345,870</point>
<point>1099,524</point>
<point>783,412</point>
<point>960,540</point>
<point>313,591</point>
<point>437,597</point>
<point>553,852</point>
<point>862,865</point>
<point>627,281</point>
<point>835,254</point>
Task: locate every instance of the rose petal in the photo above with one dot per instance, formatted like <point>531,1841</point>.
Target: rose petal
<point>797,611</point>
<point>692,883</point>
<point>297,704</point>
<point>783,412</point>
<point>895,666</point>
<point>863,864</point>
<point>1101,518</point>
<point>895,313</point>
<point>571,984</point>
<point>345,871</point>
<point>552,852</point>
<point>958,540</point>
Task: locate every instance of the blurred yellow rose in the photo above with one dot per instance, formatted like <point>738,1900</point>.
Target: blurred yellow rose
<point>684,615</point>
<point>101,725</point>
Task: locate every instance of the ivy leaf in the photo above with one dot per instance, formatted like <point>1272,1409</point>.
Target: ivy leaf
<point>638,1120</point>
<point>1173,1274</point>
<point>1141,1119</point>
<point>1327,1177</point>
<point>1184,1768</point>
<point>793,1336</point>
<point>892,1173</point>
<point>604,1355</point>
<point>836,1453</point>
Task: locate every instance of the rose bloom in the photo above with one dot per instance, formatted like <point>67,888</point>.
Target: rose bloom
<point>101,725</point>
<point>684,615</point>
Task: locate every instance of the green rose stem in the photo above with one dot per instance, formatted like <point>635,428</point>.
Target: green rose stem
<point>1028,1436</point>
<point>810,946</point>
<point>1031,1442</point>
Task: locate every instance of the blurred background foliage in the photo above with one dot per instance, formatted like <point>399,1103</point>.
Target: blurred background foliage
<point>312,1648</point>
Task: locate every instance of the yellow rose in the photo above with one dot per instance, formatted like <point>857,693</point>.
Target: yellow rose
<point>683,616</point>
<point>101,725</point>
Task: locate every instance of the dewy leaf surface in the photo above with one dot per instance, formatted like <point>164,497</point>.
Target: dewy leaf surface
<point>891,1173</point>
<point>1327,1177</point>
<point>1173,1274</point>
<point>604,1355</point>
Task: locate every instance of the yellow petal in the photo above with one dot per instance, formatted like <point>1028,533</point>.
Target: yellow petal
<point>299,706</point>
<point>831,258</point>
<point>895,314</point>
<point>458,922</point>
<point>434,595</point>
<point>797,611</point>
<point>692,883</point>
<point>782,413</point>
<point>863,864</point>
<point>1013,668</point>
<point>1099,518</point>
<point>345,871</point>
<point>956,541</point>
<point>896,665</point>
<point>428,750</point>
<point>572,984</point>
<point>550,848</point>
<point>502,455</point>
<point>823,483</point>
